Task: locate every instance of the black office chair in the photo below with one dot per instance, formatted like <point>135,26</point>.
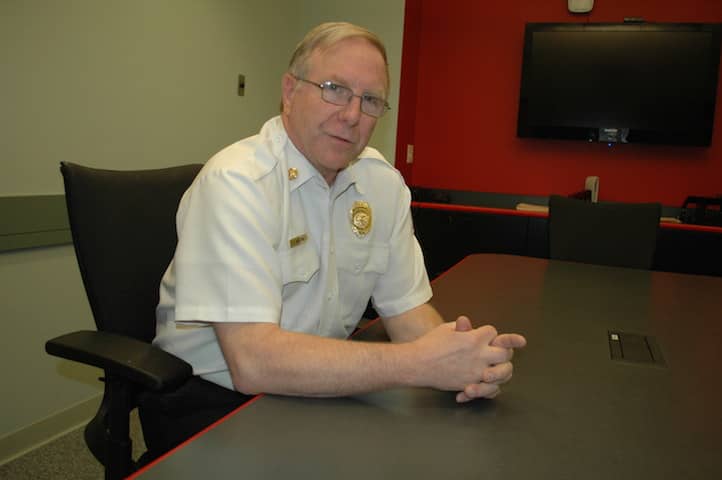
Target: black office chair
<point>123,229</point>
<point>607,233</point>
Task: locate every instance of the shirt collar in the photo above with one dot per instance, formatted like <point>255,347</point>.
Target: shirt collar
<point>350,176</point>
<point>304,170</point>
<point>299,170</point>
<point>299,167</point>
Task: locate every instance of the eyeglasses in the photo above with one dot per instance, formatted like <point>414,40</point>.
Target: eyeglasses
<point>340,95</point>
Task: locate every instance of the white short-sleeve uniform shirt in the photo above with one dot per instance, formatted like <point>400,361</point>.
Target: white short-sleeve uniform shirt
<point>263,238</point>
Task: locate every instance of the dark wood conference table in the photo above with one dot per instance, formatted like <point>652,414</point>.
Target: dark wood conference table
<point>570,412</point>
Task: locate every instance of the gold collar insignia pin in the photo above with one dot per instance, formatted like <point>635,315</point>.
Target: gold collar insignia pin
<point>292,173</point>
<point>361,218</point>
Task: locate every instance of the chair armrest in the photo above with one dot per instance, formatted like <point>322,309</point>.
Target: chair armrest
<point>122,356</point>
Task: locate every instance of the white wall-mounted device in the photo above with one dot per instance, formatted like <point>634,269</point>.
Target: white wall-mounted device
<point>580,6</point>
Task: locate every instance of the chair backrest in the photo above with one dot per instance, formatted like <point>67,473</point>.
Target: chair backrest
<point>616,234</point>
<point>123,228</point>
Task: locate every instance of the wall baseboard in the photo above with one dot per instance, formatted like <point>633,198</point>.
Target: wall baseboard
<point>29,438</point>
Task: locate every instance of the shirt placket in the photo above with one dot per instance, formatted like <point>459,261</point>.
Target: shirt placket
<point>329,315</point>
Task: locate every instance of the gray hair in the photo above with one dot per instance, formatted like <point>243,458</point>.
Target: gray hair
<point>327,35</point>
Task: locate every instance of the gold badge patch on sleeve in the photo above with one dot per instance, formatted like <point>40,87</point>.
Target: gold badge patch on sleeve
<point>361,218</point>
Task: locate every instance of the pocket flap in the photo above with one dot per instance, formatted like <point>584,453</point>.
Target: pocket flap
<point>359,258</point>
<point>299,264</point>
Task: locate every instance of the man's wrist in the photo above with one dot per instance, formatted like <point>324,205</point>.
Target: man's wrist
<point>409,369</point>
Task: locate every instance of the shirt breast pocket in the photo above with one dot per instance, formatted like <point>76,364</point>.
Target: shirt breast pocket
<point>363,258</point>
<point>299,264</point>
<point>359,266</point>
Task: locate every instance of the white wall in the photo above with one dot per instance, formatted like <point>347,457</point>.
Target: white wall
<point>132,83</point>
<point>128,84</point>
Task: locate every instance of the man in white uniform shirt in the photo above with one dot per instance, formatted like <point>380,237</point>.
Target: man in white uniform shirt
<point>284,236</point>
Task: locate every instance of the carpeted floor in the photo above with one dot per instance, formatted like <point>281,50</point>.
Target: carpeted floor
<point>65,458</point>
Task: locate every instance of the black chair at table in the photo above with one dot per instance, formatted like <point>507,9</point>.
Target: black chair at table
<point>123,229</point>
<point>606,233</point>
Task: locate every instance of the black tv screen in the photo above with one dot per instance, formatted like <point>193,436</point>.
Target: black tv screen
<point>620,83</point>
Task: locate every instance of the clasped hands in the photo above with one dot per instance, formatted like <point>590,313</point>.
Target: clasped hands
<point>496,373</point>
<point>472,361</point>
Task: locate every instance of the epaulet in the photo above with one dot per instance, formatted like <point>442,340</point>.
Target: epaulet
<point>371,153</point>
<point>241,157</point>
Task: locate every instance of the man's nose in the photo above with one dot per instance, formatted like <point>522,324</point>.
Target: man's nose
<point>351,113</point>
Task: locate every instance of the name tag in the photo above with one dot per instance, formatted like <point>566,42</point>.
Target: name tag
<point>296,241</point>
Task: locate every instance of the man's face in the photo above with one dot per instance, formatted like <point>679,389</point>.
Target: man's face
<point>331,136</point>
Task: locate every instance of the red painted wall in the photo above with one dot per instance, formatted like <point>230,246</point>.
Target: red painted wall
<point>461,69</point>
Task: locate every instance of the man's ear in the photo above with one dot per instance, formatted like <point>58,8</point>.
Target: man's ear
<point>288,88</point>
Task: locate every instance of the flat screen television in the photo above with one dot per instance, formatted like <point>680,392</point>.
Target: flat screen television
<point>620,83</point>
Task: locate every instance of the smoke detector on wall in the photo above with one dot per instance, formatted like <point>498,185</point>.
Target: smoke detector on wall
<point>580,6</point>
